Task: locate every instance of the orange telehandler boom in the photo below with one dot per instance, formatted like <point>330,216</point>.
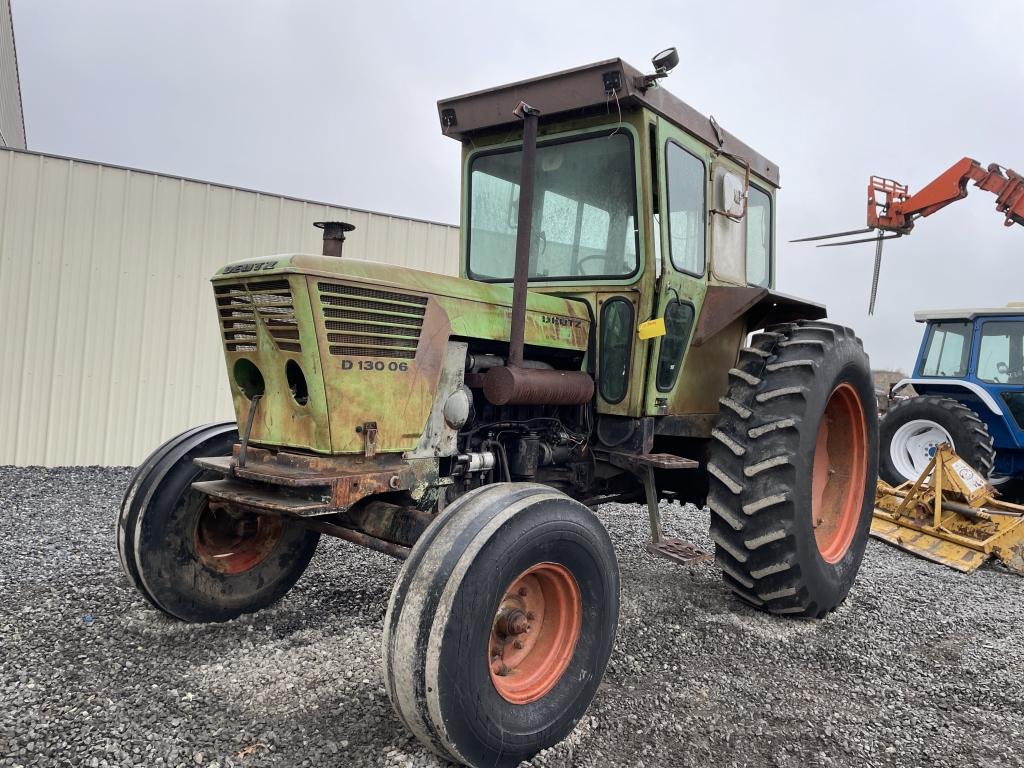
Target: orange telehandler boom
<point>891,207</point>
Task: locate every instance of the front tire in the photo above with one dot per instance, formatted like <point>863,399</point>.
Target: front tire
<point>910,431</point>
<point>501,624</point>
<point>792,468</point>
<point>195,560</point>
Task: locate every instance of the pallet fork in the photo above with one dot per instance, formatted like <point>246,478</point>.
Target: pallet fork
<point>950,515</point>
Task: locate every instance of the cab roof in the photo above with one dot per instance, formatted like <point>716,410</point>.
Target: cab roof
<point>925,315</point>
<point>599,87</point>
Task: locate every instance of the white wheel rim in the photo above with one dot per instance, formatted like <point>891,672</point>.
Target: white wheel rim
<point>913,446</point>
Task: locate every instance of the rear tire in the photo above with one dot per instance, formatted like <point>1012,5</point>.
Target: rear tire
<point>792,469</point>
<point>910,430</point>
<point>454,671</point>
<point>195,561</point>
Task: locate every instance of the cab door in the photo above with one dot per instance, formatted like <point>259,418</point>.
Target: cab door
<point>1000,370</point>
<point>683,184</point>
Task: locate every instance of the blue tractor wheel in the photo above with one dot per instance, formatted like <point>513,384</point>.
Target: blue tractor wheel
<point>912,429</point>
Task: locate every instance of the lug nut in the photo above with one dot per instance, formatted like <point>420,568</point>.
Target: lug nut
<point>530,616</point>
<point>518,644</point>
<point>523,591</point>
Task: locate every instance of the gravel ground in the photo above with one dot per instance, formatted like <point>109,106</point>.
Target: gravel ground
<point>921,666</point>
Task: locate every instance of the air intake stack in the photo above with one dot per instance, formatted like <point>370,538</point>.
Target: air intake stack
<point>334,235</point>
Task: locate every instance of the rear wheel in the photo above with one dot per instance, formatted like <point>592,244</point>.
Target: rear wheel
<point>501,623</point>
<point>792,469</point>
<point>912,429</point>
<point>197,560</point>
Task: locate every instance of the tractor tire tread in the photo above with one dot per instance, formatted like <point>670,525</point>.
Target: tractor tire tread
<point>751,506</point>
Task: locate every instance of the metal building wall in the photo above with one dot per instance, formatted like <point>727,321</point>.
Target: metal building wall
<point>12,124</point>
<point>109,342</point>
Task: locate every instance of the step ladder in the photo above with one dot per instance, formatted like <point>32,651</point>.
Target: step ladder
<point>643,465</point>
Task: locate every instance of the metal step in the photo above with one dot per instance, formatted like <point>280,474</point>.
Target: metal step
<point>680,551</point>
<point>260,499</point>
<point>665,461</point>
<point>640,463</point>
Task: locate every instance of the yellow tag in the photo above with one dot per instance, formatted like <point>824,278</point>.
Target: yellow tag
<point>649,329</point>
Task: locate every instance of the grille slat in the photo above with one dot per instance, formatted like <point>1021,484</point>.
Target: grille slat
<point>367,322</point>
<point>400,310</point>
<point>242,305</point>
<point>372,329</point>
<point>373,293</point>
<point>384,318</point>
<point>370,341</point>
<point>360,352</point>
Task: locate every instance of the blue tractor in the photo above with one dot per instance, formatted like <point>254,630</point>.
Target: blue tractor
<point>969,380</point>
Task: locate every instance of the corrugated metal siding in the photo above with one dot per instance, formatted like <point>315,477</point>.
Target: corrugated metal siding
<point>110,342</point>
<point>12,124</point>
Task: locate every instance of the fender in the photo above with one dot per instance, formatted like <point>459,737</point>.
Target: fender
<point>970,386</point>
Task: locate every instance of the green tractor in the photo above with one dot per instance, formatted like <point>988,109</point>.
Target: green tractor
<point>614,335</point>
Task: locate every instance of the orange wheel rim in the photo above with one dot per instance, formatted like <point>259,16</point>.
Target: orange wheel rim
<point>534,632</point>
<point>234,543</point>
<point>837,484</point>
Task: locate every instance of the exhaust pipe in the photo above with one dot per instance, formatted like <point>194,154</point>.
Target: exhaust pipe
<point>524,232</point>
<point>514,384</point>
<point>334,235</point>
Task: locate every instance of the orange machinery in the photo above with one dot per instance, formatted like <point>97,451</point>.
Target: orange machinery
<point>892,209</point>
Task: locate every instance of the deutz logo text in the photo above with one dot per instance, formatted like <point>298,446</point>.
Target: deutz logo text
<point>569,322</point>
<point>254,267</point>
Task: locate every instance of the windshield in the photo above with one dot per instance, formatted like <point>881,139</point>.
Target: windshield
<point>584,215</point>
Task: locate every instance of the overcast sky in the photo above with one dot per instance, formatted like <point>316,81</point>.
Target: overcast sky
<point>335,101</point>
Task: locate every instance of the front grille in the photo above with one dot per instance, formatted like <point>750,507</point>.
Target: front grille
<point>366,322</point>
<point>241,304</point>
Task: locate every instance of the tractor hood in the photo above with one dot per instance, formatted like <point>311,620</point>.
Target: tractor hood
<point>331,344</point>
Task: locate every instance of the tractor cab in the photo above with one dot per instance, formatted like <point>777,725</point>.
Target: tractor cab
<point>643,209</point>
<point>974,357</point>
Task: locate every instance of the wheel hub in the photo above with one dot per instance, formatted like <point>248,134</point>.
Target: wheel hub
<point>913,446</point>
<point>534,632</point>
<point>234,542</point>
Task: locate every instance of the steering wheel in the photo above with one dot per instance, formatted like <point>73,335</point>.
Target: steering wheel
<point>585,259</point>
<point>1003,368</point>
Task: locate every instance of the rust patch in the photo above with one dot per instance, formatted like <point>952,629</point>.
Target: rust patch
<point>324,483</point>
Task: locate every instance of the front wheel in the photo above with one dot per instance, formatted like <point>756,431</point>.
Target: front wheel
<point>193,558</point>
<point>501,624</point>
<point>793,468</point>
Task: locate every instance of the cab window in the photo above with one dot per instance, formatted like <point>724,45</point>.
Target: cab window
<point>1001,352</point>
<point>584,210</point>
<point>948,350</point>
<point>759,237</point>
<point>678,324</point>
<point>616,347</point>
<point>687,217</point>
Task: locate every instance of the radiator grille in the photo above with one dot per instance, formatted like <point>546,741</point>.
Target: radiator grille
<point>366,322</point>
<point>270,301</point>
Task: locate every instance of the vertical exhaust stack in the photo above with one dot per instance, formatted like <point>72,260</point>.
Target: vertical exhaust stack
<point>524,233</point>
<point>512,384</point>
<point>334,235</point>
